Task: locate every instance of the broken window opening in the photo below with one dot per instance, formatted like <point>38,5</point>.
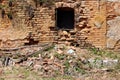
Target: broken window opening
<point>65,18</point>
<point>31,41</point>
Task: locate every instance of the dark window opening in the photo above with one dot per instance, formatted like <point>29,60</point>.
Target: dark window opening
<point>65,18</point>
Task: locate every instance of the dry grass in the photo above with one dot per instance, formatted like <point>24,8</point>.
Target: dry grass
<point>23,73</point>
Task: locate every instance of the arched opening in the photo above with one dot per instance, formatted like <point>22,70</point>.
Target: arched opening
<point>65,18</point>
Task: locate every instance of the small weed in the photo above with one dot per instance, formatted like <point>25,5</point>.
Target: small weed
<point>46,2</point>
<point>50,48</point>
<point>10,16</point>
<point>3,13</point>
<point>2,6</point>
<point>104,53</point>
<point>67,77</point>
<point>79,67</point>
<point>82,71</point>
<point>42,52</point>
<point>67,64</point>
<point>117,67</point>
<point>10,3</point>
<point>2,79</point>
<point>36,54</point>
<point>60,56</point>
<point>94,50</point>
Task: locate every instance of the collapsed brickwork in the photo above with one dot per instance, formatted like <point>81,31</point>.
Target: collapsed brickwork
<point>26,22</point>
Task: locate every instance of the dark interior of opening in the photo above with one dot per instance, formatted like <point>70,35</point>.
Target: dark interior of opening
<point>65,18</point>
<point>32,42</point>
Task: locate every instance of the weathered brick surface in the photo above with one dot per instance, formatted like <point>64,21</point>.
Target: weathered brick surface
<point>90,29</point>
<point>113,24</point>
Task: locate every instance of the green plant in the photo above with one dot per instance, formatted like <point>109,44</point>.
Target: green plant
<point>10,16</point>
<point>2,79</point>
<point>60,56</point>
<point>17,55</point>
<point>2,6</point>
<point>50,48</point>
<point>78,67</point>
<point>44,2</point>
<point>10,3</point>
<point>104,53</point>
<point>67,66</point>
<point>94,50</point>
<point>117,67</point>
<point>82,71</point>
<point>2,13</point>
<point>30,11</point>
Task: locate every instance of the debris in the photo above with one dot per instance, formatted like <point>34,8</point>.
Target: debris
<point>30,63</point>
<point>6,61</point>
<point>95,63</point>
<point>17,60</point>
<point>110,63</point>
<point>70,51</point>
<point>59,51</point>
<point>105,63</point>
<point>37,67</point>
<point>52,60</point>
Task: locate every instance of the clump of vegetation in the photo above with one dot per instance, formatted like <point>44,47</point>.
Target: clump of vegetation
<point>10,3</point>
<point>44,52</point>
<point>8,8</point>
<point>30,11</point>
<point>44,2</point>
<point>104,53</point>
<point>72,65</point>
<point>2,13</point>
<point>2,8</point>
<point>60,56</point>
<point>10,16</point>
<point>50,48</point>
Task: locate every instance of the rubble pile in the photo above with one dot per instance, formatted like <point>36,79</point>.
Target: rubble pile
<point>57,60</point>
<point>51,60</point>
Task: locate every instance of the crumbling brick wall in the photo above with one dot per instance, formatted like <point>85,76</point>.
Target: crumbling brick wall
<point>113,24</point>
<point>90,24</point>
<point>33,23</point>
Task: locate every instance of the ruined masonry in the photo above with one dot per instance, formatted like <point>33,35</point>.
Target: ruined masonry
<point>83,23</point>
